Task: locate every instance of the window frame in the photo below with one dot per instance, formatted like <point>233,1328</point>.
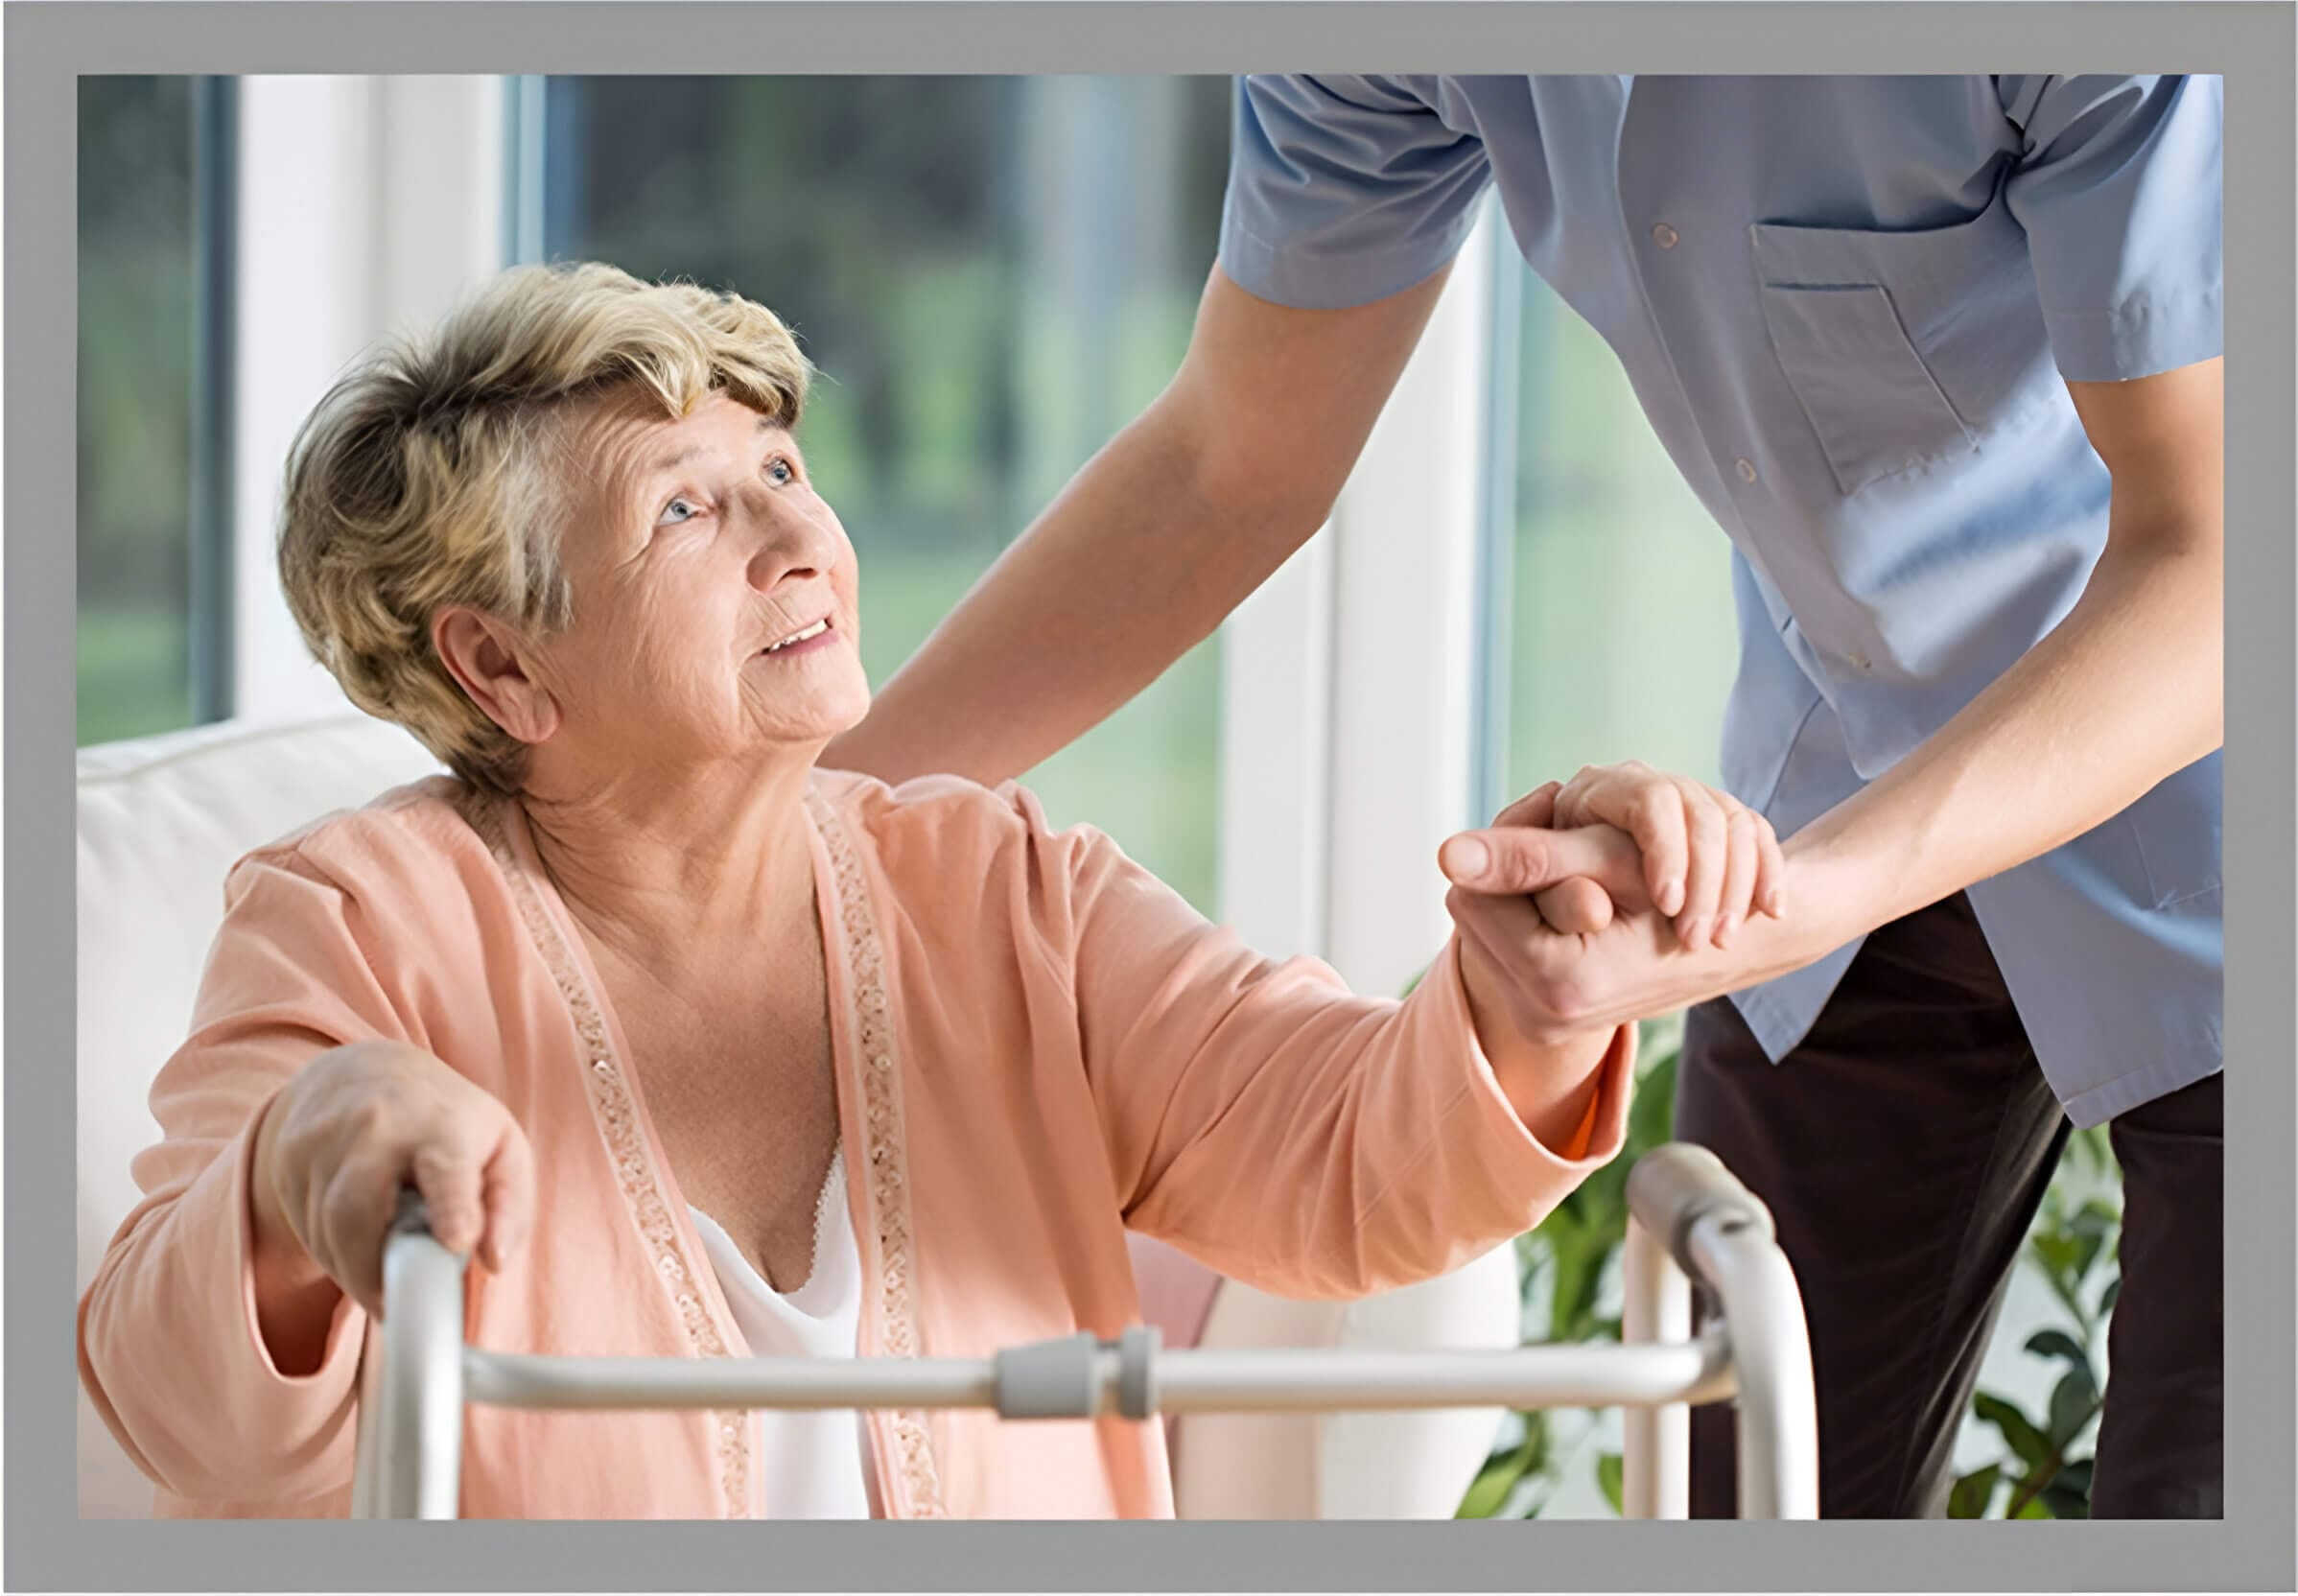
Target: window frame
<point>214,232</point>
<point>1354,696</point>
<point>368,205</point>
<point>1346,756</point>
<point>1338,773</point>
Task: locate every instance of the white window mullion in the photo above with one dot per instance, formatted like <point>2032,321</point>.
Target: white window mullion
<point>1408,536</point>
<point>367,205</point>
<point>1408,547</point>
<point>304,291</point>
<point>1348,754</point>
<point>1275,758</point>
<point>443,200</point>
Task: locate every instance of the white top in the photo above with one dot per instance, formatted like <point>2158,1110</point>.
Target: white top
<point>812,1465</point>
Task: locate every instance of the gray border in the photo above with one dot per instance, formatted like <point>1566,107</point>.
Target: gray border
<point>2252,44</point>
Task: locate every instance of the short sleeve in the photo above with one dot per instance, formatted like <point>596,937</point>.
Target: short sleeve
<point>1344,191</point>
<point>2118,191</point>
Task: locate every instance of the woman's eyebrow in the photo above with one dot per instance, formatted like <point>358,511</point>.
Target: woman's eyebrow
<point>668,464</point>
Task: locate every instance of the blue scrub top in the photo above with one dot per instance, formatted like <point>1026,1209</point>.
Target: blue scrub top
<point>1849,307</point>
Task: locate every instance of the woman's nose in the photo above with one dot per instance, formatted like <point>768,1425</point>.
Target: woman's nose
<point>790,546</point>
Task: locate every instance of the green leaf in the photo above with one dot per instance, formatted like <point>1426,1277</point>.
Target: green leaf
<point>2030,1445</point>
<point>2091,1227</point>
<point>1539,1441</point>
<point>1652,1111</point>
<point>2096,1218</point>
<point>1610,1477</point>
<point>1493,1485</point>
<point>1578,1268</point>
<point>1497,1480</point>
<point>2060,1257</point>
<point>1973,1492</point>
<point>2057,1344</point>
<point>2107,1300</point>
<point>2034,1509</point>
<point>1559,1228</point>
<point>2059,1254</point>
<point>2062,1503</point>
<point>2072,1402</point>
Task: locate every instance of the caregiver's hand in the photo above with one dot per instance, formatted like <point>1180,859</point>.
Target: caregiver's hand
<point>1553,985</point>
<point>1710,863</point>
<point>1550,958</point>
<point>341,1138</point>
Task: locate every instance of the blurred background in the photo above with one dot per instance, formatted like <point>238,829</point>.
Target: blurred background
<point>992,274</point>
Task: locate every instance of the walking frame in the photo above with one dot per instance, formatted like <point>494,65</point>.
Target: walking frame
<point>1690,1222</point>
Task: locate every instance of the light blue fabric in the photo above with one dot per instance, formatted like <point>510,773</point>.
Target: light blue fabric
<point>1849,307</point>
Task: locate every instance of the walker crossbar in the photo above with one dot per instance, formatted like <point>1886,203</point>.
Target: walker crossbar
<point>1690,1220</point>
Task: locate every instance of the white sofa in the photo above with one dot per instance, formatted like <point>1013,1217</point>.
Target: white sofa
<point>161,820</point>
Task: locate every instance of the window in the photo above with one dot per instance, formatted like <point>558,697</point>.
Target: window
<point>154,405</point>
<point>992,274</point>
<point>1613,636</point>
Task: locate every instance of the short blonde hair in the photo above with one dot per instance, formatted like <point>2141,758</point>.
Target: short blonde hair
<point>425,478</point>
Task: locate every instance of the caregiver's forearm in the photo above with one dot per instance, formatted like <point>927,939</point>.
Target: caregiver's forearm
<point>1162,534</point>
<point>2128,691</point>
<point>1138,560</point>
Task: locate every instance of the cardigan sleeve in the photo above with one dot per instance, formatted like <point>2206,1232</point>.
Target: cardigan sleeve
<point>1291,1134</point>
<point>169,1349</point>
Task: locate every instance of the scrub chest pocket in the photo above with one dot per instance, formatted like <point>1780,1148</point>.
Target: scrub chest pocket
<point>1903,348</point>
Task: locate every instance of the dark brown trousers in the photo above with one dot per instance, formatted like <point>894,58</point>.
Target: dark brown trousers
<point>1902,1149</point>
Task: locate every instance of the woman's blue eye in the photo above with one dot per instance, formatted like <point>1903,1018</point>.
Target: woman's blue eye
<point>780,469</point>
<point>669,511</point>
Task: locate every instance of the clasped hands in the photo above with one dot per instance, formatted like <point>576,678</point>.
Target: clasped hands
<point>1622,894</point>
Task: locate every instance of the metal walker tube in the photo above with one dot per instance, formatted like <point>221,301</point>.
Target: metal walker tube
<point>1690,1221</point>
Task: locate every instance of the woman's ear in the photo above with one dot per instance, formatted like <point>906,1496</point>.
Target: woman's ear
<point>483,654</point>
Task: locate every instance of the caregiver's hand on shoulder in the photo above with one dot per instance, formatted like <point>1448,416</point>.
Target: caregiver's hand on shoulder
<point>358,1124</point>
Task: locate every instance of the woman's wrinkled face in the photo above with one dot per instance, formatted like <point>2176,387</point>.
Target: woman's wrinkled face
<point>713,591</point>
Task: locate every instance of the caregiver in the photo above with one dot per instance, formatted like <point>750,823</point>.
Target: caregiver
<point>1941,355</point>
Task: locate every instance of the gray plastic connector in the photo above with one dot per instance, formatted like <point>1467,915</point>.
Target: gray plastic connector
<point>1063,1379</point>
<point>1137,1371</point>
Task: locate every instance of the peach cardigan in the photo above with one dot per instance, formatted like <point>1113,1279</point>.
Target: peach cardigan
<point>1039,1045</point>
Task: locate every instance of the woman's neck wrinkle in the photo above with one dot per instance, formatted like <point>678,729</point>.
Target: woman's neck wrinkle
<point>652,897</point>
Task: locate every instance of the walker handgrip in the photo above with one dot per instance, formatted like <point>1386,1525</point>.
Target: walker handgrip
<point>1675,1187</point>
<point>409,1459</point>
<point>411,1218</point>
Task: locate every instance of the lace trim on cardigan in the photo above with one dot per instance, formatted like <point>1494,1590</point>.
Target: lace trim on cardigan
<point>617,1116</point>
<point>881,1111</point>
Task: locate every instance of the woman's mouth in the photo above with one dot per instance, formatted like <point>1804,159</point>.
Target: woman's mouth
<point>804,641</point>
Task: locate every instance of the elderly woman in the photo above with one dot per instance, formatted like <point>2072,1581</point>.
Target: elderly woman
<point>696,1049</point>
